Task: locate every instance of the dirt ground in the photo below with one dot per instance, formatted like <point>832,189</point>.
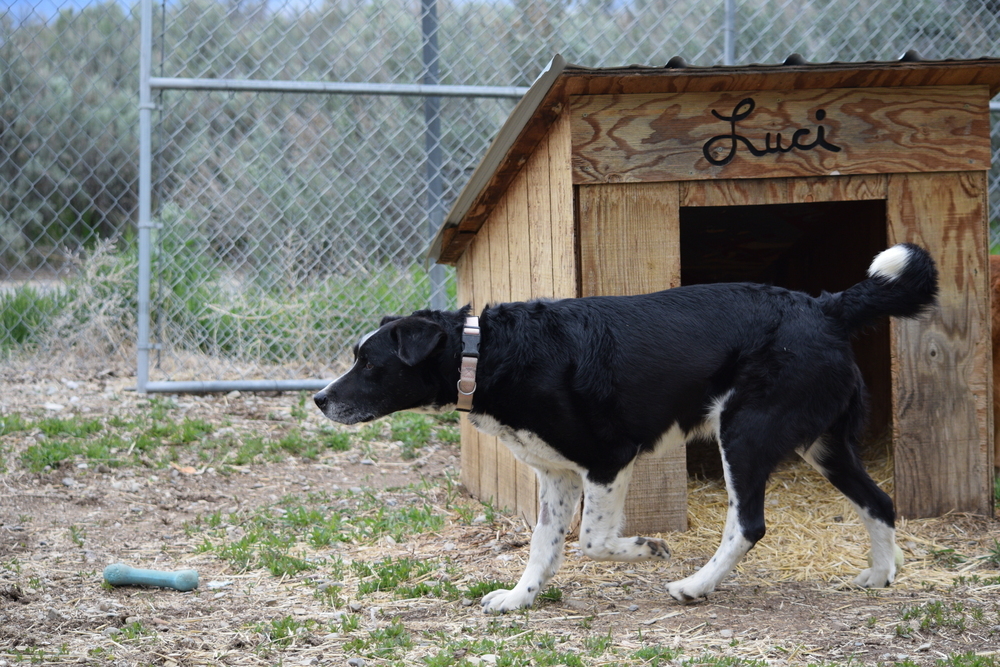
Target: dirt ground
<point>788,603</point>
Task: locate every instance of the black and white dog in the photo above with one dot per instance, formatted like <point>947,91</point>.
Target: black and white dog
<point>579,388</point>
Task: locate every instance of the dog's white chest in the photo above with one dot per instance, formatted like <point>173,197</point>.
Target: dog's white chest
<point>526,446</point>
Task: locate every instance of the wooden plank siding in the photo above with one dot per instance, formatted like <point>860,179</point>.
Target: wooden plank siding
<point>942,387</point>
<point>775,134</point>
<point>526,250</point>
<point>630,244</point>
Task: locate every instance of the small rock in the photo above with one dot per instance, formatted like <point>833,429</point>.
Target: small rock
<point>633,607</point>
<point>111,632</point>
<point>53,407</point>
<point>233,394</point>
<point>356,662</point>
<point>354,606</point>
<point>449,546</point>
<point>726,634</point>
<point>55,616</point>
<point>474,660</point>
<point>69,481</point>
<point>489,658</point>
<point>367,462</point>
<point>466,602</point>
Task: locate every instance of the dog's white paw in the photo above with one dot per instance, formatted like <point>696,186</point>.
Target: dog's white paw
<point>689,589</point>
<point>875,577</point>
<point>501,600</point>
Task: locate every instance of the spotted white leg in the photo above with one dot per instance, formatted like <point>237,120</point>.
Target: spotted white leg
<point>603,516</point>
<point>558,498</point>
<point>731,550</point>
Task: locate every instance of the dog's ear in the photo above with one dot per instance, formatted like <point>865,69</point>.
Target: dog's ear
<point>416,338</point>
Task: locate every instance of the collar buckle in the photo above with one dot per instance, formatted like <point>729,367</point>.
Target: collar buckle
<point>470,359</point>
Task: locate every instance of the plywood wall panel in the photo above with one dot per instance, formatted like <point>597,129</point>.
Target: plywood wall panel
<point>773,134</point>
<point>630,244</point>
<point>942,388</point>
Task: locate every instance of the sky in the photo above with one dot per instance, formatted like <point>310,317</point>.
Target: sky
<point>21,9</point>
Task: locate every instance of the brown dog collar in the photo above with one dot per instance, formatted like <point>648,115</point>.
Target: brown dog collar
<point>470,359</point>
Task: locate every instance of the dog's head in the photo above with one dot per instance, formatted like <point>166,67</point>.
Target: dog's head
<point>406,364</point>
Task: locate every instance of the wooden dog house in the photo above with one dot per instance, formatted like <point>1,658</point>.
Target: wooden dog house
<point>631,180</point>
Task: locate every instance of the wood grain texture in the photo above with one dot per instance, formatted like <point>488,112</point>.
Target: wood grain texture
<point>941,379</point>
<point>483,281</point>
<point>629,238</point>
<point>630,244</point>
<point>500,292</point>
<point>656,137</point>
<point>565,276</point>
<point>606,81</point>
<point>784,190</point>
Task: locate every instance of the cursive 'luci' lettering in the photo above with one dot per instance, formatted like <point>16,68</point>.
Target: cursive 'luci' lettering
<point>742,111</point>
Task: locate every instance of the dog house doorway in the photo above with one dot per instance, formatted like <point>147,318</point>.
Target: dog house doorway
<point>810,247</point>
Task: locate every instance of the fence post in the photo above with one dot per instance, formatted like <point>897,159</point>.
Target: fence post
<point>432,118</point>
<point>145,189</point>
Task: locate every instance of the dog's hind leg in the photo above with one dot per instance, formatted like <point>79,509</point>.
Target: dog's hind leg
<point>836,459</point>
<point>746,466</point>
<point>603,515</point>
<point>558,498</point>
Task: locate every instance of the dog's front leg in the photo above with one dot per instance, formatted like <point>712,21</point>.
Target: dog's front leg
<point>603,516</point>
<point>558,498</point>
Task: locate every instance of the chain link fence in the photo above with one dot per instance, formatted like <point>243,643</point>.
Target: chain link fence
<point>285,223</point>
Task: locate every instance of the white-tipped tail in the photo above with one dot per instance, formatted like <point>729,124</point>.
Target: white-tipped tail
<point>890,263</point>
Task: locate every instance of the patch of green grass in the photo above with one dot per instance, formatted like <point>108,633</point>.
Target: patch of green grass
<point>481,588</point>
<point>77,535</point>
<point>654,656</point>
<point>13,423</point>
<point>334,439</point>
<point>552,594</point>
<point>76,427</point>
<point>383,643</point>
<point>133,632</point>
<point>937,615</point>
<point>405,578</point>
<point>282,632</point>
<point>993,557</point>
<point>271,536</point>
<point>947,558</point>
<point>26,315</point>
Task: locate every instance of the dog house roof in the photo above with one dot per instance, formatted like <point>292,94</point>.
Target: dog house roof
<point>544,101</point>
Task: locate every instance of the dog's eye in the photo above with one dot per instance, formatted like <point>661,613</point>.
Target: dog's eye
<point>369,366</point>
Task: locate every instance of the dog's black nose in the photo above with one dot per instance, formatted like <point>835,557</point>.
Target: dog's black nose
<point>320,400</point>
